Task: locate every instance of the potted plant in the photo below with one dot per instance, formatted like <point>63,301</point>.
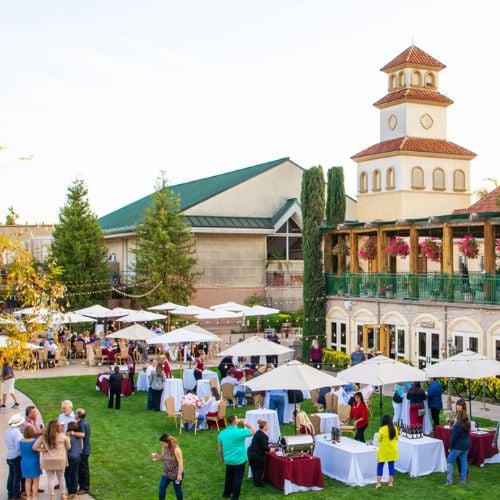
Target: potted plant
<point>467,292</point>
<point>398,248</point>
<point>435,293</point>
<point>431,249</point>
<point>468,246</point>
<point>388,291</point>
<point>368,250</point>
<point>370,287</point>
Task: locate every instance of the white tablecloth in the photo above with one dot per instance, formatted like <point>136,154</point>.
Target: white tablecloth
<point>203,388</point>
<point>172,387</point>
<point>350,462</point>
<point>142,382</point>
<point>420,457</point>
<point>405,416</point>
<point>189,382</point>
<point>328,420</point>
<point>271,417</point>
<point>289,408</point>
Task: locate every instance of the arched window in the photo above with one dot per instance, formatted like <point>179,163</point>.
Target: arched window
<point>459,180</point>
<point>390,179</point>
<point>430,80</point>
<point>363,182</point>
<point>392,82</point>
<point>417,178</point>
<point>438,179</point>
<point>376,180</point>
<point>401,79</point>
<point>416,78</point>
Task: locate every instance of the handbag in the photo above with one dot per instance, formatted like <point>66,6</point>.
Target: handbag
<point>397,398</point>
<point>421,412</point>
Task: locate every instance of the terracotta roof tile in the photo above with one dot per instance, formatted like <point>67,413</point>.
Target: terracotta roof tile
<point>411,95</point>
<point>415,145</point>
<point>413,56</point>
<point>486,204</point>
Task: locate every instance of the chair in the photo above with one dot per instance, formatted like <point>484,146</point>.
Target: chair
<point>42,357</point>
<point>79,349</point>
<point>188,416</point>
<point>67,348</point>
<point>227,391</point>
<point>221,414</point>
<point>332,402</point>
<point>170,410</point>
<point>213,382</point>
<point>98,355</point>
<point>369,404</point>
<point>344,415</point>
<point>122,356</point>
<point>314,400</point>
<point>55,361</point>
<point>316,423</point>
<point>258,400</point>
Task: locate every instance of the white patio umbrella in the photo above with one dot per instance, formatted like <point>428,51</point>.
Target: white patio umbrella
<point>167,306</point>
<point>96,311</point>
<point>185,334</point>
<point>4,340</point>
<point>62,318</point>
<point>230,306</point>
<point>189,310</point>
<point>5,321</point>
<point>133,332</point>
<point>218,314</point>
<point>255,346</point>
<point>198,329</point>
<point>380,371</point>
<point>259,311</point>
<point>140,316</point>
<point>468,365</point>
<point>30,311</point>
<point>122,311</point>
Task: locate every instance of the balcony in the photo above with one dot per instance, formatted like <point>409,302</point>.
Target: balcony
<point>475,288</point>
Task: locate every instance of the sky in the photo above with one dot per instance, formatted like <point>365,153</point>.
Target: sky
<point>116,91</point>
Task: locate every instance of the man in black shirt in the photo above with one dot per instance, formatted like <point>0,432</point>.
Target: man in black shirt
<point>115,388</point>
<point>83,470</point>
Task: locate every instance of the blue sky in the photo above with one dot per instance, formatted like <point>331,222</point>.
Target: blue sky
<point>116,91</point>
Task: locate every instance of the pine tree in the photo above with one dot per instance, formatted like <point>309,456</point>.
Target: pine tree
<point>78,247</point>
<point>335,202</point>
<point>165,252</point>
<point>313,209</point>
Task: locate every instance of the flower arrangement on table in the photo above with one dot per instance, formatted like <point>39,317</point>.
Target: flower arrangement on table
<point>431,249</point>
<point>468,246</point>
<point>398,248</point>
<point>341,249</point>
<point>368,250</point>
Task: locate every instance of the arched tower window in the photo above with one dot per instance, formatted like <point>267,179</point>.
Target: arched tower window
<point>376,180</point>
<point>401,79</point>
<point>416,79</point>
<point>392,82</point>
<point>438,179</point>
<point>390,179</point>
<point>459,180</point>
<point>363,182</point>
<point>417,178</point>
<point>430,81</point>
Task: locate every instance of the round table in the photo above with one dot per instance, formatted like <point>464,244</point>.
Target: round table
<point>271,417</point>
<point>189,382</point>
<point>328,421</point>
<point>172,387</point>
<point>203,388</point>
<point>142,382</point>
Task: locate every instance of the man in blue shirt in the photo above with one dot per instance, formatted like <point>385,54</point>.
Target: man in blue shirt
<point>232,450</point>
<point>357,356</point>
<point>435,400</point>
<point>12,437</point>
<point>277,399</point>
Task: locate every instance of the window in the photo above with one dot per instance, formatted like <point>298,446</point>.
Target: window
<point>392,82</point>
<point>401,79</point>
<point>396,342</point>
<point>416,78</point>
<point>390,179</point>
<point>376,180</point>
<point>417,178</point>
<point>430,81</point>
<point>286,243</point>
<point>459,180</point>
<point>363,182</point>
<point>466,341</point>
<point>438,180</point>
<point>339,336</point>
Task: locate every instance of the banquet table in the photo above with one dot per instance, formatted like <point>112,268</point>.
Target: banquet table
<point>327,422</point>
<point>110,353</point>
<point>271,417</point>
<point>405,415</point>
<point>172,387</point>
<point>142,381</point>
<point>299,474</point>
<point>189,382</point>
<point>102,384</point>
<point>481,444</point>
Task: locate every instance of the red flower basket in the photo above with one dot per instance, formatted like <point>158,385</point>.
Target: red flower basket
<point>431,249</point>
<point>468,246</point>
<point>398,248</point>
<point>368,250</point>
<point>341,249</point>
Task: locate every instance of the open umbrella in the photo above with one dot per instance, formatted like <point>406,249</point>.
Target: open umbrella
<point>185,334</point>
<point>97,311</point>
<point>167,306</point>
<point>259,311</point>
<point>133,332</point>
<point>189,310</point>
<point>255,346</point>
<point>140,316</point>
<point>218,314</point>
<point>230,306</point>
<point>4,340</point>
<point>122,311</point>
<point>467,364</point>
<point>199,329</point>
<point>380,371</point>
<point>62,318</point>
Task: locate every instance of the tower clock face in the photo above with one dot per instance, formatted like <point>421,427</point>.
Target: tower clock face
<point>426,121</point>
<point>392,122</point>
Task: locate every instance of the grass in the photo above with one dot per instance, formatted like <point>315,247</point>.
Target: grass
<point>121,467</point>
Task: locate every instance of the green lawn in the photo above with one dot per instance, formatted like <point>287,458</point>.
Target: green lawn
<point>123,440</point>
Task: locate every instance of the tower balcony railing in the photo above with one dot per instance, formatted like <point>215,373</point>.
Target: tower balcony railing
<point>476,288</point>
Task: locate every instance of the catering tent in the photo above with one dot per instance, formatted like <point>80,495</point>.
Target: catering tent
<point>141,316</point>
<point>133,332</point>
<point>255,346</point>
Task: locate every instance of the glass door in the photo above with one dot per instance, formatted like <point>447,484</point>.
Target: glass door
<point>427,348</point>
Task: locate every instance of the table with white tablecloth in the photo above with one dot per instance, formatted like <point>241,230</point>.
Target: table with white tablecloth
<point>289,407</point>
<point>189,382</point>
<point>420,457</point>
<point>327,422</point>
<point>172,387</point>
<point>271,417</point>
<point>203,388</point>
<point>142,382</point>
<point>405,415</point>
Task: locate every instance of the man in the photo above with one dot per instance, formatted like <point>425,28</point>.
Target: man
<point>66,415</point>
<point>32,418</point>
<point>230,379</point>
<point>150,369</point>
<point>357,356</point>
<point>233,452</point>
<point>115,388</point>
<point>435,400</point>
<point>83,470</point>
<point>12,437</point>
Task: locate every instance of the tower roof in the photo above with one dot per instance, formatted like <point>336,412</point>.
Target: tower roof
<point>413,95</point>
<point>413,56</point>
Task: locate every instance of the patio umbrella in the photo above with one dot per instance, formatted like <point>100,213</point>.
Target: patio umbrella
<point>166,307</point>
<point>255,346</point>
<point>259,311</point>
<point>380,371</point>
<point>467,364</point>
<point>97,311</point>
<point>5,338</point>
<point>121,311</point>
<point>62,318</point>
<point>133,332</point>
<point>140,316</point>
<point>5,321</point>
<point>230,306</point>
<point>218,314</point>
<point>189,310</point>
<point>30,311</point>
<point>185,334</point>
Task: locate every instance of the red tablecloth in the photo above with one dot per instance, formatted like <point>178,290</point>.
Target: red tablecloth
<point>480,444</point>
<point>102,383</point>
<point>110,353</point>
<point>301,471</point>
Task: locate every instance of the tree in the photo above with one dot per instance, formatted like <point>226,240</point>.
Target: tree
<point>165,254</point>
<point>335,202</point>
<point>11,218</point>
<point>484,191</point>
<point>313,209</point>
<point>78,247</point>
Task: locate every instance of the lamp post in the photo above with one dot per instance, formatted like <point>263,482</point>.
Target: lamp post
<point>447,350</point>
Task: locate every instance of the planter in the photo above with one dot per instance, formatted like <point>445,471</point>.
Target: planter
<point>389,294</point>
<point>468,297</point>
<point>370,292</point>
<point>340,291</point>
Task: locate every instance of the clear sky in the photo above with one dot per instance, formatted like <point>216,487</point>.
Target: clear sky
<point>115,91</point>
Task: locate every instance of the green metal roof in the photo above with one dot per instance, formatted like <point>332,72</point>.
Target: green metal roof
<point>229,222</point>
<point>281,211</point>
<point>191,193</point>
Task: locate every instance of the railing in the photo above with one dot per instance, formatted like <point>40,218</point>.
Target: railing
<point>477,288</point>
<point>284,278</point>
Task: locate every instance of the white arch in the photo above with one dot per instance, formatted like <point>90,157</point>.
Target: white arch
<point>493,331</point>
<point>386,319</point>
<point>427,317</point>
<point>452,327</point>
<point>364,316</point>
<point>336,313</point>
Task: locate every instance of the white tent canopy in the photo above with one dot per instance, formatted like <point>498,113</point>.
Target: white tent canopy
<point>140,316</point>
<point>133,332</point>
<point>255,346</point>
<point>167,306</point>
<point>97,311</point>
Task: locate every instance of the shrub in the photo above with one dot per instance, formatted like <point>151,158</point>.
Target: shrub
<point>338,359</point>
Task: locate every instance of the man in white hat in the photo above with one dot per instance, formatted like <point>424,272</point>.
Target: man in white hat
<point>12,438</point>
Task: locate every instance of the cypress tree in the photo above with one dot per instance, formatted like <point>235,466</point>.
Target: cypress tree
<point>313,209</point>
<point>335,201</point>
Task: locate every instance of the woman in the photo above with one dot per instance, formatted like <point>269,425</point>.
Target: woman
<point>173,468</point>
<point>131,372</point>
<point>387,450</point>
<point>53,445</point>
<point>416,395</point>
<point>459,447</point>
<point>359,413</point>
<point>397,402</point>
<point>165,366</point>
<point>74,459</point>
<point>257,453</point>
<point>316,354</point>
<point>199,366</point>
<point>30,463</point>
<point>212,406</point>
<point>156,379</point>
<point>8,378</point>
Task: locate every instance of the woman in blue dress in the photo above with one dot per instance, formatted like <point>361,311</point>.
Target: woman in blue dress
<point>30,463</point>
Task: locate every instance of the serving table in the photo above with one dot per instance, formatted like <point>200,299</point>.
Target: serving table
<point>102,384</point>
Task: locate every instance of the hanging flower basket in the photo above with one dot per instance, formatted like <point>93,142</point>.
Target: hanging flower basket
<point>398,248</point>
<point>341,249</point>
<point>431,249</point>
<point>498,246</point>
<point>468,246</point>
<point>368,250</point>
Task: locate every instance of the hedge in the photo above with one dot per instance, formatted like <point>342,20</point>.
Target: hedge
<point>339,360</point>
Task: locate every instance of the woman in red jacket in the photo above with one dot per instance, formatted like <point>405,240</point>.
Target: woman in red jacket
<point>359,413</point>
